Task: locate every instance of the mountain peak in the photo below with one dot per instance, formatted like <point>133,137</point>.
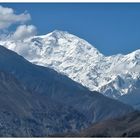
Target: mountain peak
<point>55,33</point>
<point>64,38</point>
<point>60,32</point>
<point>61,43</point>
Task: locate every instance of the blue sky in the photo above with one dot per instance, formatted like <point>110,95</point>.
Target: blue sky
<point>111,28</point>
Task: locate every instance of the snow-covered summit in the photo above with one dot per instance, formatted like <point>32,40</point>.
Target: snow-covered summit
<point>113,75</point>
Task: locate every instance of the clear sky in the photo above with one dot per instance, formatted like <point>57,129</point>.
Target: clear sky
<point>111,28</point>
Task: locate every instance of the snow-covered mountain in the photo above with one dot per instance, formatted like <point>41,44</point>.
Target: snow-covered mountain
<point>48,84</point>
<point>113,76</point>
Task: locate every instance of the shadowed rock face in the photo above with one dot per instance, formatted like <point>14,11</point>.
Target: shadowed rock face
<point>37,101</point>
<point>25,114</point>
